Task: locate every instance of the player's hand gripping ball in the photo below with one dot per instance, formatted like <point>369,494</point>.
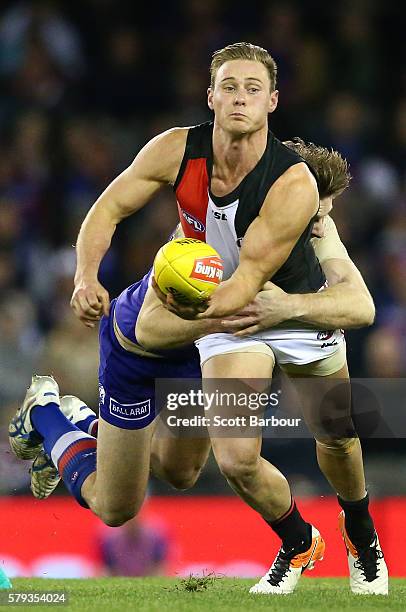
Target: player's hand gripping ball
<point>189,269</point>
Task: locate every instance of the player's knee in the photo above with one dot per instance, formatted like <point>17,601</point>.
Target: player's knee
<point>183,479</point>
<point>338,446</point>
<point>179,477</point>
<point>115,517</point>
<point>237,469</point>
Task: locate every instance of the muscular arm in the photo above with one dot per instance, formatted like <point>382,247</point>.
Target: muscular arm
<point>289,206</point>
<point>156,165</point>
<point>157,328</point>
<point>346,303</point>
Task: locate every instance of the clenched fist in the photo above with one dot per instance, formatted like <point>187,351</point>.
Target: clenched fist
<point>90,301</point>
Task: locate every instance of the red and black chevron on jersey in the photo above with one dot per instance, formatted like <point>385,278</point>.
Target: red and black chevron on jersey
<point>223,222</point>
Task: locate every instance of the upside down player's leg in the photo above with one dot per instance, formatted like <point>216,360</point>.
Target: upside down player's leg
<point>40,421</point>
<point>174,460</point>
<point>125,427</point>
<point>127,411</point>
<point>259,483</point>
<point>116,491</point>
<point>44,475</point>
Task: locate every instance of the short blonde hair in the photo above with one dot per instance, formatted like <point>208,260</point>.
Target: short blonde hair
<point>329,166</point>
<point>243,51</point>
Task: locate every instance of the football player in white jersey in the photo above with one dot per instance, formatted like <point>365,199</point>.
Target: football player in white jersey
<point>346,303</point>
<point>242,95</point>
<point>301,352</point>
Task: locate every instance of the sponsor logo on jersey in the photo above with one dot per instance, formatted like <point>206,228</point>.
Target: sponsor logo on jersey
<point>197,225</point>
<point>325,335</point>
<point>130,412</point>
<point>219,215</point>
<point>208,269</point>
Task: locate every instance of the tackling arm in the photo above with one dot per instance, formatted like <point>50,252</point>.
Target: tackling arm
<point>158,328</point>
<point>346,303</point>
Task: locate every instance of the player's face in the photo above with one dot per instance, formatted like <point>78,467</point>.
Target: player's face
<point>241,98</point>
<point>326,205</point>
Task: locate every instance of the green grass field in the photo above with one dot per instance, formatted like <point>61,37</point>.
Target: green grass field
<point>222,594</point>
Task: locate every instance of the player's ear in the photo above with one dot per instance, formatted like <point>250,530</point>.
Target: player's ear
<point>273,101</point>
<point>210,98</point>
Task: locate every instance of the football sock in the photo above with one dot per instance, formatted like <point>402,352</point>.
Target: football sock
<point>88,425</point>
<point>94,428</point>
<point>50,422</point>
<point>293,530</point>
<point>73,452</point>
<point>358,521</point>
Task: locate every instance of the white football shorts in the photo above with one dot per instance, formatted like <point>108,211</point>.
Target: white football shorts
<point>324,352</point>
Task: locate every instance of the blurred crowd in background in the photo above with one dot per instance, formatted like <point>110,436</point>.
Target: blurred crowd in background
<point>85,85</point>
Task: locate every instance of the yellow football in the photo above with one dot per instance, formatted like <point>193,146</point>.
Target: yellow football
<point>189,269</point>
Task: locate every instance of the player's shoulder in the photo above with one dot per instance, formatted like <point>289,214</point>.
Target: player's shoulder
<point>161,157</point>
<point>181,144</point>
<point>296,178</point>
<point>295,167</point>
<point>173,139</point>
<point>176,138</point>
<point>301,172</point>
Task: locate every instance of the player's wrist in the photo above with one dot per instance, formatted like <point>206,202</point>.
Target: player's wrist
<point>212,326</point>
<point>295,305</point>
<point>85,276</point>
<point>246,285</point>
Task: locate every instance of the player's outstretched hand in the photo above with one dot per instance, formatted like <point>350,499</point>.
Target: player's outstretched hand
<point>90,301</point>
<point>270,307</point>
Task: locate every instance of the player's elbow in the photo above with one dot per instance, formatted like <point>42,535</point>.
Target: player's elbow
<point>366,312</point>
<point>370,312</point>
